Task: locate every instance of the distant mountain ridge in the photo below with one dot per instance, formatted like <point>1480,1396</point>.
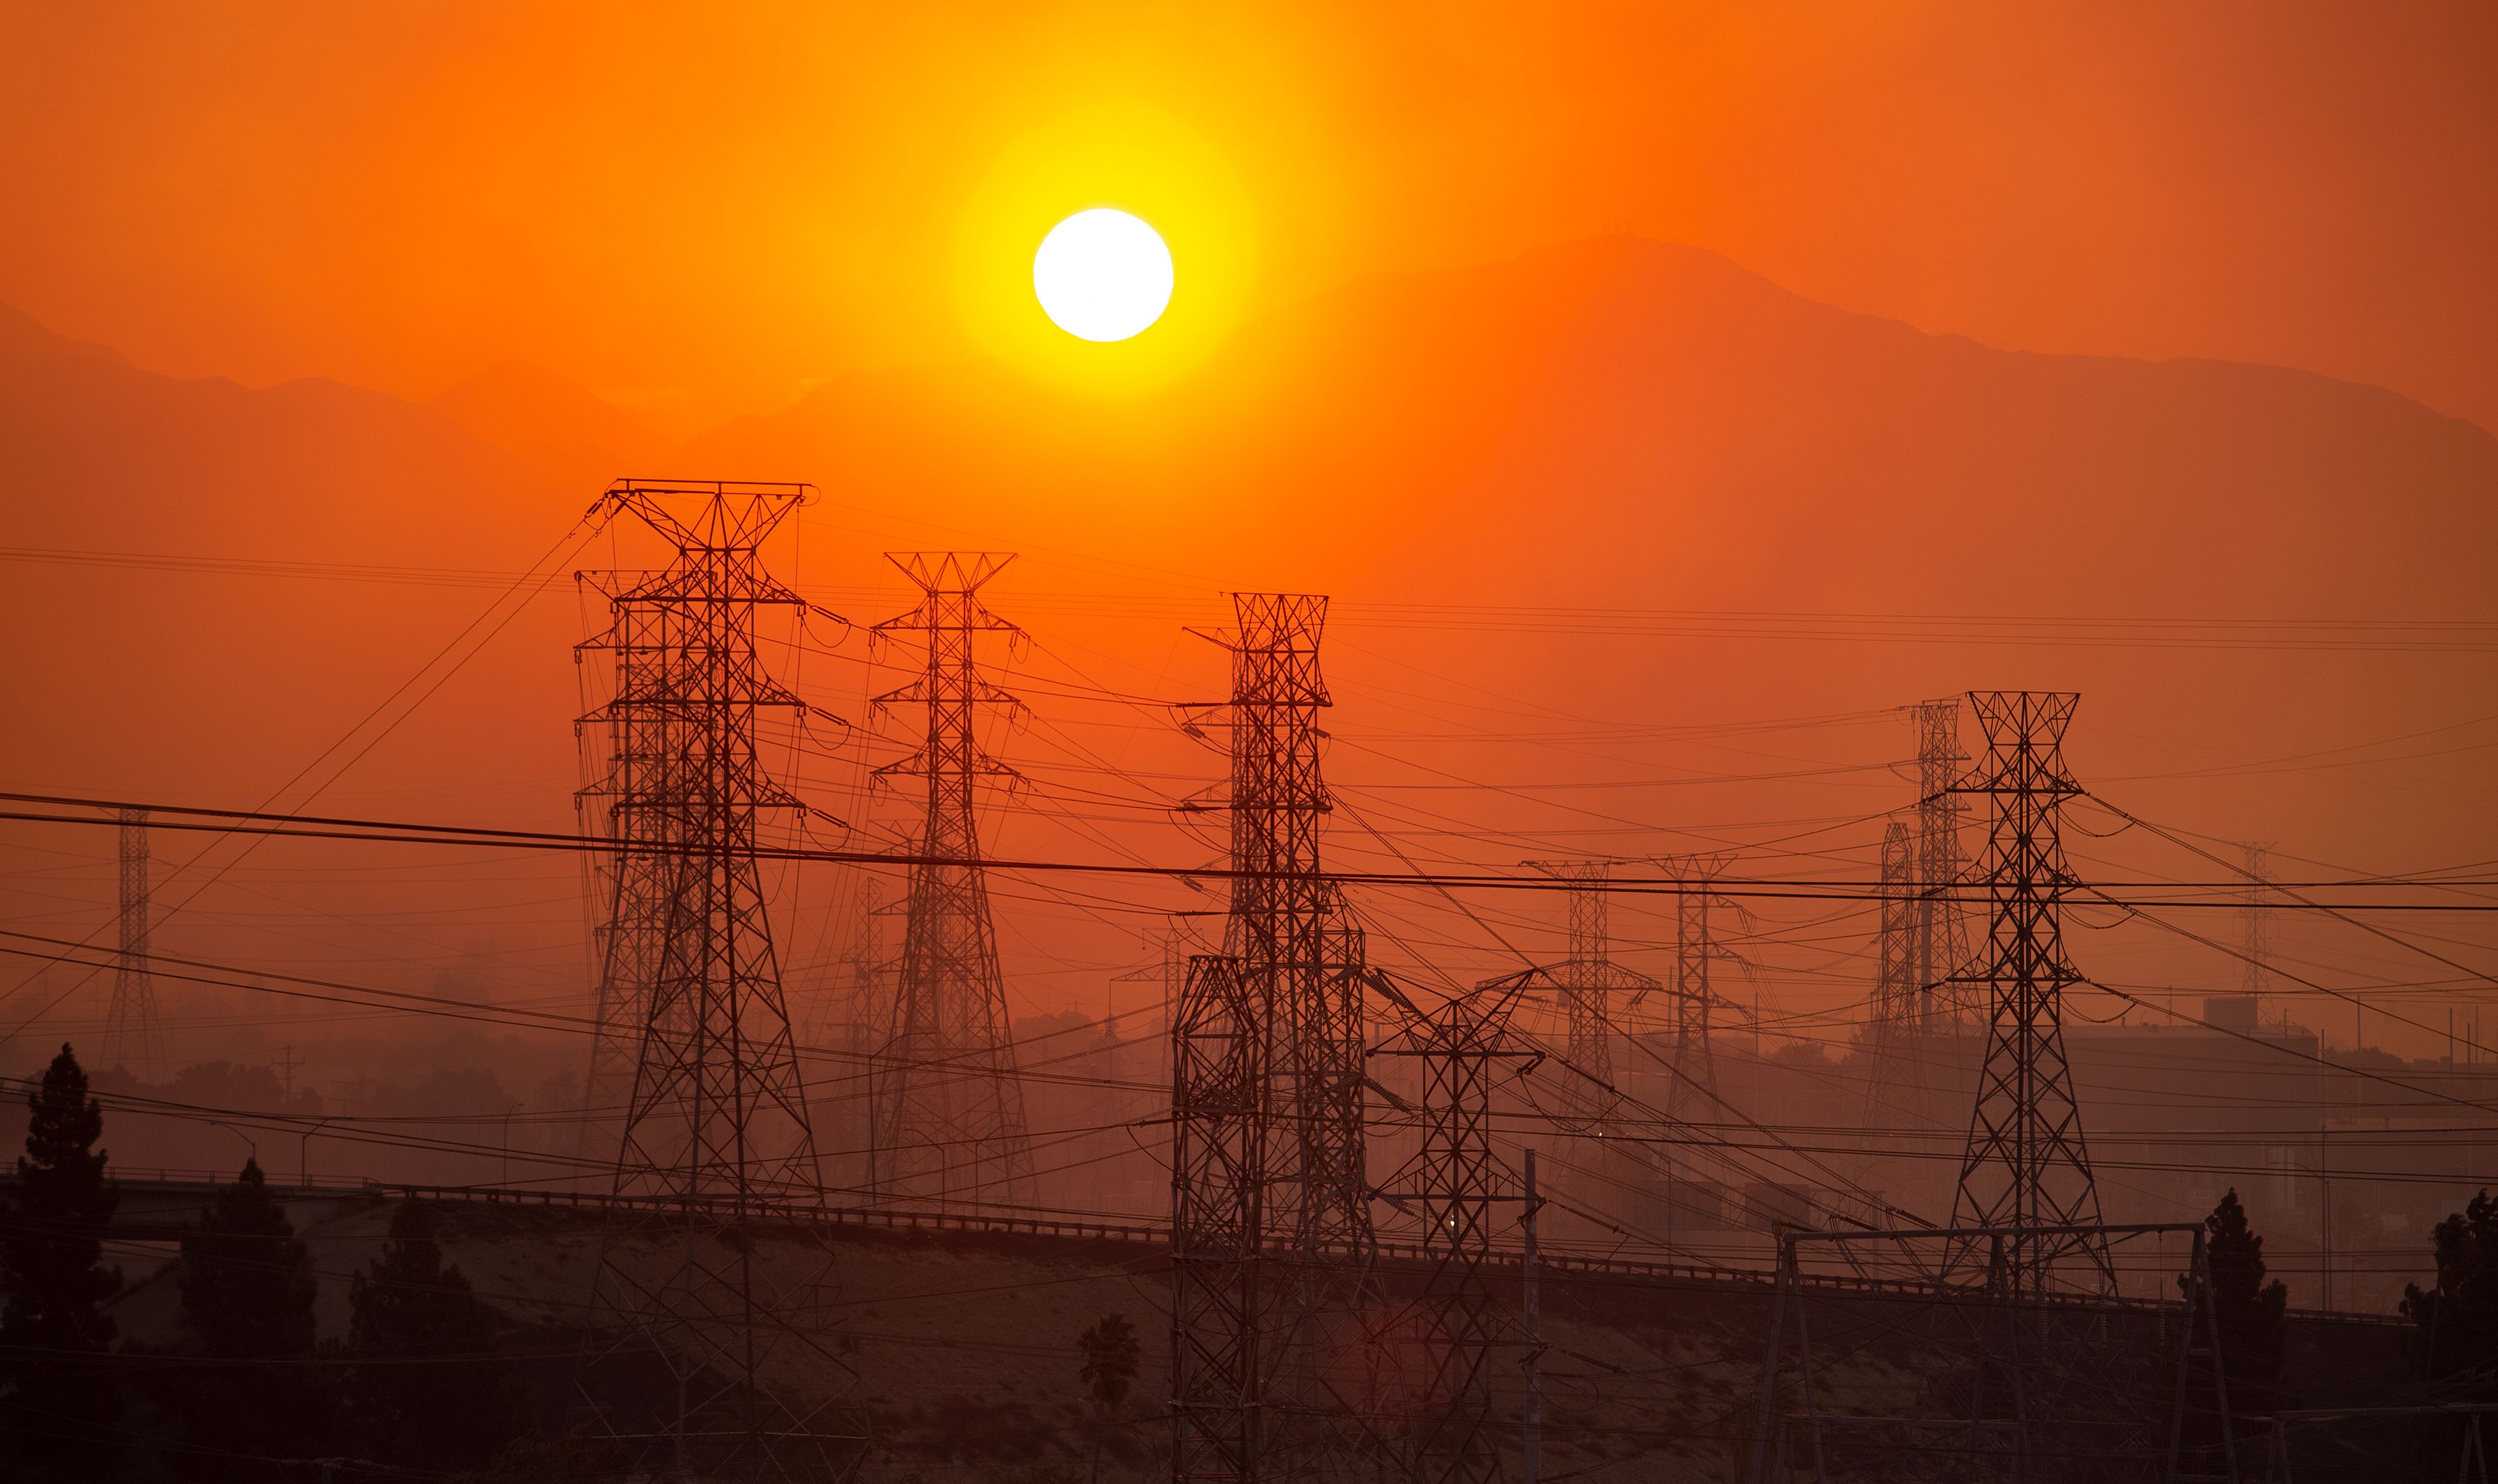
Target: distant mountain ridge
<point>1484,414</point>
<point>558,428</point>
<point>1612,422</point>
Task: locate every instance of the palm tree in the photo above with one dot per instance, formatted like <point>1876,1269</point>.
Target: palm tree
<point>1111,1356</point>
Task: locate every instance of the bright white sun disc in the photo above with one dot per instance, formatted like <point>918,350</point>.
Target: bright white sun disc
<point>1103,275</point>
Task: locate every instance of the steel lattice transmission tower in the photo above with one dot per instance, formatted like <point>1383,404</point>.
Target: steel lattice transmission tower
<point>2026,1165</point>
<point>1223,1285</point>
<point>1942,932</point>
<point>1298,946</point>
<point>1586,982</point>
<point>629,799</point>
<point>716,1137</point>
<point>1277,1161</point>
<point>1690,996</point>
<point>1456,1187</point>
<point>950,1119</point>
<point>133,1035</point>
<point>2257,868</point>
<point>1900,1023</point>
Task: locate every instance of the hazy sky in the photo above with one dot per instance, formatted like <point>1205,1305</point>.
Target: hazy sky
<point>704,211</point>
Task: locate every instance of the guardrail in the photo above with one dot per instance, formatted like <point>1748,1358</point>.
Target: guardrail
<point>143,1174</point>
<point>1067,1228</point>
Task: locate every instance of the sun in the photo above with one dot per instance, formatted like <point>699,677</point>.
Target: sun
<point>1102,275</point>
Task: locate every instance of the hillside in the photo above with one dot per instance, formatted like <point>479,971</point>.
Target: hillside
<point>958,1351</point>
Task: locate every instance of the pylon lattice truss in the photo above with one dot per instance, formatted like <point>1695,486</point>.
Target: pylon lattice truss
<point>1222,1284</point>
<point>1277,1159</point>
<point>133,1035</point>
<point>2026,1165</point>
<point>1691,996</point>
<point>1940,928</point>
<point>1899,1022</point>
<point>1458,1187</point>
<point>949,1117</point>
<point>627,800</point>
<point>2257,858</point>
<point>1299,948</point>
<point>716,1131</point>
<point>1591,987</point>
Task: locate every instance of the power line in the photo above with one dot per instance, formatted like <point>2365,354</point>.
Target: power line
<point>2226,895</point>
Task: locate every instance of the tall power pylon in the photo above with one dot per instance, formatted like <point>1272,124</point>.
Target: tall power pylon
<point>1172,946</point>
<point>949,1117</point>
<point>2257,868</point>
<point>133,1036</point>
<point>1458,1187</point>
<point>2026,1165</point>
<point>1224,1295</point>
<point>627,800</point>
<point>1589,983</point>
<point>1297,943</point>
<point>716,1132</point>
<point>1282,1162</point>
<point>1690,995</point>
<point>1900,1020</point>
<point>1942,932</point>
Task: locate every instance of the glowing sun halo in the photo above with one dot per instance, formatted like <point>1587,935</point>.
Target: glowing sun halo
<point>1103,275</point>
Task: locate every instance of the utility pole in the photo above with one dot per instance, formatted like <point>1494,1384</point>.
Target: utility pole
<point>1532,1408</point>
<point>717,1134</point>
<point>2026,1164</point>
<point>133,1036</point>
<point>2325,1206</point>
<point>950,1118</point>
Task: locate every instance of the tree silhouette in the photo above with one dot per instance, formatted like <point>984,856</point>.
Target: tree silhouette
<point>424,1389</point>
<point>247,1291</point>
<point>2250,1312</point>
<point>1111,1356</point>
<point>2459,1314</point>
<point>56,1341</point>
<point>2248,1315</point>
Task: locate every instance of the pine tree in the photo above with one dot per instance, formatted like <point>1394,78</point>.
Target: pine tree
<point>63,1398</point>
<point>424,1389</point>
<point>247,1291</point>
<point>2459,1314</point>
<point>2250,1312</point>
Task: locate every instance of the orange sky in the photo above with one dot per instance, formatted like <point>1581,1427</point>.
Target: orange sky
<point>699,217</point>
<point>699,212</point>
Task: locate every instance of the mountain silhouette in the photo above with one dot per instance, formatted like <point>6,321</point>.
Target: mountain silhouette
<point>1606,425</point>
<point>559,429</point>
<point>194,672</point>
<point>1630,421</point>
